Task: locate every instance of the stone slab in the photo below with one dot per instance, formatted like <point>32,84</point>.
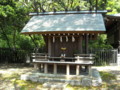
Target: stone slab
<point>97,80</point>
<point>55,85</point>
<point>93,80</point>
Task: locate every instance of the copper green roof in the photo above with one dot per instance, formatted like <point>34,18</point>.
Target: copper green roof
<point>64,23</point>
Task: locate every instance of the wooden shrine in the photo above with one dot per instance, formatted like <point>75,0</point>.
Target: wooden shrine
<point>66,35</point>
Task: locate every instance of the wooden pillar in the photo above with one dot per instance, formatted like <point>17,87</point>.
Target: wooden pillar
<point>90,72</point>
<point>49,46</point>
<point>45,68</point>
<point>68,69</point>
<point>80,44</point>
<point>36,66</point>
<point>86,43</point>
<point>119,47</point>
<point>77,69</point>
<point>41,67</point>
<point>55,68</point>
<point>118,30</point>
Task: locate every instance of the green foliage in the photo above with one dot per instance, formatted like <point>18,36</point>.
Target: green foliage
<point>25,43</point>
<point>113,5</point>
<point>106,76</point>
<point>12,19</point>
<point>11,76</point>
<point>100,43</point>
<point>14,16</point>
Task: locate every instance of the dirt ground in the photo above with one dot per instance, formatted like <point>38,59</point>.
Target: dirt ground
<point>8,69</point>
<point>112,69</point>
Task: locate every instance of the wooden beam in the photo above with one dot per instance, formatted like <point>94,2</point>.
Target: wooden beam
<point>49,46</point>
<point>86,43</point>
<point>80,43</point>
<point>69,12</point>
<point>66,32</point>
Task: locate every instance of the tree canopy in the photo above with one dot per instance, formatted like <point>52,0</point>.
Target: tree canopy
<point>14,16</point>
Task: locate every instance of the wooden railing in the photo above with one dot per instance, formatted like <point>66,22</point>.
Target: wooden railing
<point>39,56</point>
<point>41,62</point>
<point>84,57</point>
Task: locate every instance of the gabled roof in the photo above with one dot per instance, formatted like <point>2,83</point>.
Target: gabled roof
<point>115,15</point>
<point>69,12</point>
<point>65,23</point>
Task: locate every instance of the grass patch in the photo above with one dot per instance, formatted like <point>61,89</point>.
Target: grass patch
<point>27,85</point>
<point>10,76</point>
<point>107,77</point>
<point>69,87</point>
<point>14,78</point>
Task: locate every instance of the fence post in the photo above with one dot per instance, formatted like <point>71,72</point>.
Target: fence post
<point>27,58</point>
<point>118,59</point>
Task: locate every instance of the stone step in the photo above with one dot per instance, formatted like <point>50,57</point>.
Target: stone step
<point>42,75</point>
<point>55,85</point>
<point>44,80</point>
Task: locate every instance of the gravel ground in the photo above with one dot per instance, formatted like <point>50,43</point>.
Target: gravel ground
<point>6,69</point>
<point>21,68</point>
<point>112,69</point>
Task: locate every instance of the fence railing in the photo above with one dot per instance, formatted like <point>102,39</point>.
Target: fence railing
<point>105,56</point>
<point>12,56</point>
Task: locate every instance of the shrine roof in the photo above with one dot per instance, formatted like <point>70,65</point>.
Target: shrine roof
<point>65,23</point>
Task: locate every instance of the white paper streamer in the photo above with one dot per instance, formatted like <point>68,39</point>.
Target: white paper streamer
<point>73,39</point>
<point>53,39</point>
<point>61,39</point>
<point>66,39</point>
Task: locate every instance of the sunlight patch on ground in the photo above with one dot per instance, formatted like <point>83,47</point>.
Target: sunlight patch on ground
<point>11,77</point>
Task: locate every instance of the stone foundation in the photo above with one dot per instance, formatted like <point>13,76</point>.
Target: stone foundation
<point>84,80</point>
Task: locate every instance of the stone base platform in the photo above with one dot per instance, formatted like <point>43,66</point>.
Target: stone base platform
<point>84,80</point>
<point>54,85</point>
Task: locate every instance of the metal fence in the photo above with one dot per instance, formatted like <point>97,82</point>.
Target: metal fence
<point>105,56</point>
<point>12,56</point>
